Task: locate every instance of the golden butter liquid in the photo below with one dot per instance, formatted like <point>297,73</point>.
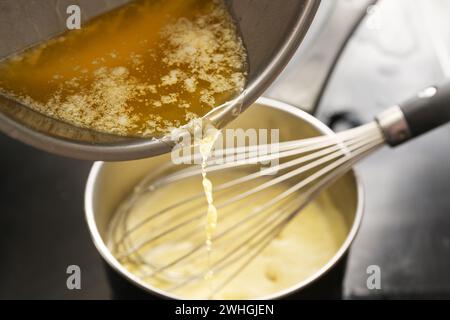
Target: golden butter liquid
<point>138,70</point>
<point>206,145</point>
<point>303,247</point>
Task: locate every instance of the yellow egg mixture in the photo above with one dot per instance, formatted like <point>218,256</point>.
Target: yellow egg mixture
<point>301,249</point>
<point>138,70</point>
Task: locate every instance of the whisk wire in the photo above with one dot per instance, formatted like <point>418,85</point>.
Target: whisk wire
<point>315,162</point>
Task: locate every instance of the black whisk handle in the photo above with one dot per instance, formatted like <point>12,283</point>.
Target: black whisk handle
<point>426,111</point>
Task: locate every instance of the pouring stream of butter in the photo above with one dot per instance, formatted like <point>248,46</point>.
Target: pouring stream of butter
<point>206,145</point>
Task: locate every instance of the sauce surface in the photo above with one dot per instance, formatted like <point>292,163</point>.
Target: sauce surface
<point>302,248</point>
<point>138,70</point>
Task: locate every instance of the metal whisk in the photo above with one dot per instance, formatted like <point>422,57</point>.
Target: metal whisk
<point>306,167</point>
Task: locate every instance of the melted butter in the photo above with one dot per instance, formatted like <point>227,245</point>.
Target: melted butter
<point>206,145</point>
<point>304,246</point>
<point>139,70</point>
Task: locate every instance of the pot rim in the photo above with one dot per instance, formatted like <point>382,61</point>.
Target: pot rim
<point>266,102</point>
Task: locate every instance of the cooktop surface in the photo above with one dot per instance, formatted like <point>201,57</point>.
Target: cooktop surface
<point>406,227</point>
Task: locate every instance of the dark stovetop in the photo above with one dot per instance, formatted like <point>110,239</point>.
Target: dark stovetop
<point>406,228</point>
<point>43,227</point>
